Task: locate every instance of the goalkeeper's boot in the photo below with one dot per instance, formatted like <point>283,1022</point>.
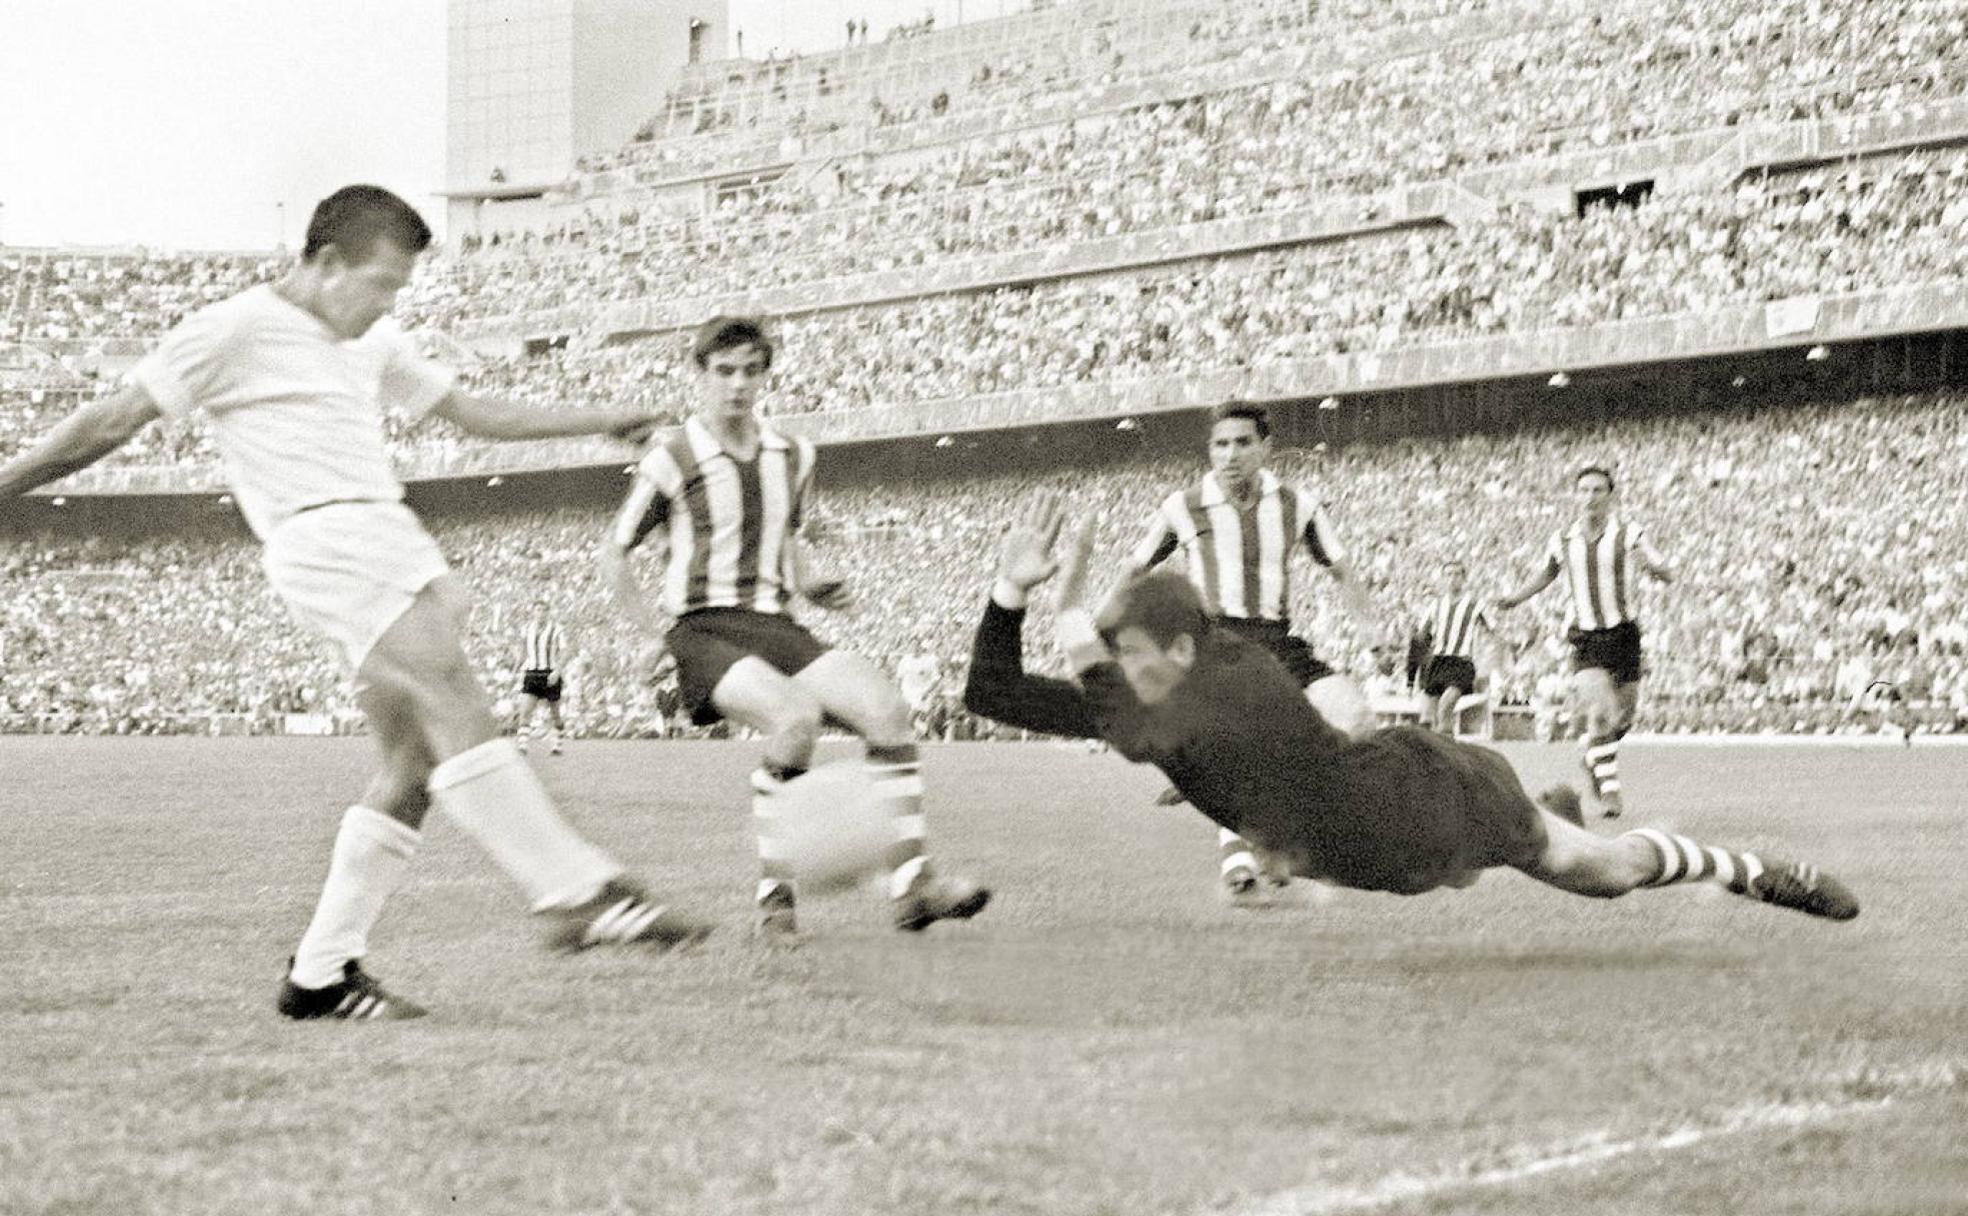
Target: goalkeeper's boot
<point>621,914</point>
<point>1239,883</point>
<point>355,997</point>
<point>1800,885</point>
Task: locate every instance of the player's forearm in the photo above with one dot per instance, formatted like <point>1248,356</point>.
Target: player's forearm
<point>499,418</point>
<point>998,686</point>
<point>1528,589</point>
<point>529,422</point>
<point>1359,603</point>
<point>624,590</point>
<point>54,458</point>
<point>78,441</point>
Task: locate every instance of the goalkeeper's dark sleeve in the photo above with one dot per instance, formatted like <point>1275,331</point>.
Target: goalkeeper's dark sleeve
<point>1001,689</point>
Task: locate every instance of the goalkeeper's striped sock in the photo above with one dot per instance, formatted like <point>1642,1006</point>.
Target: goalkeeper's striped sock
<point>898,783</point>
<point>1680,860</point>
<point>1234,854</point>
<point>1602,761</point>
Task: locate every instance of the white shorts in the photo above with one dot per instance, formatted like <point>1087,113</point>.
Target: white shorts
<point>347,571</point>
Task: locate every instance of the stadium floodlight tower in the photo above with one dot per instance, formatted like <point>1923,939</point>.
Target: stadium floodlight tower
<point>537,84</point>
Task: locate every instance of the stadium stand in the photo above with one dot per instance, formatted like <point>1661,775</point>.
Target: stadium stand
<point>1115,207</point>
<point>1809,559</point>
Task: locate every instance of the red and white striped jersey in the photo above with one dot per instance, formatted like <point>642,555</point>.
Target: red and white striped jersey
<point>1598,571</point>
<point>727,520</point>
<point>1456,619</point>
<point>1239,558</point>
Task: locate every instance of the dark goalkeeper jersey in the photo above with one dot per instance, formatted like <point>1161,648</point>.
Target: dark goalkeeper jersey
<point>1402,810</point>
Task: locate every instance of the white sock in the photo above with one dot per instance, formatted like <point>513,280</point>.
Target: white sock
<point>493,794</point>
<point>372,856</point>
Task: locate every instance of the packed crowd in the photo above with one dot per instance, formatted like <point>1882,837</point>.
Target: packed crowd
<point>1817,549</point>
<point>1884,222</point>
<point>1050,62</point>
<point>1595,78</point>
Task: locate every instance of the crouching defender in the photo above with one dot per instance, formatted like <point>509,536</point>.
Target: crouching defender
<point>1401,809</point>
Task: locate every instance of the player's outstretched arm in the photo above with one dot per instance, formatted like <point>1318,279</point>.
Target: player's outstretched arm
<point>81,439</point>
<point>626,593</point>
<point>1360,604</point>
<point>998,686</point>
<point>1530,587</point>
<point>497,418</point>
<point>820,587</point>
<point>1072,617</point>
<point>1652,562</point>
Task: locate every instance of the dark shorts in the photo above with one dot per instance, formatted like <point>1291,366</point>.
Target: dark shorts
<point>1615,651</point>
<point>708,642</point>
<point>543,684</point>
<point>1445,671</point>
<point>1421,811</point>
<point>1285,646</point>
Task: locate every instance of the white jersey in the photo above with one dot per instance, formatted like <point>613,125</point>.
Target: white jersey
<point>296,411</point>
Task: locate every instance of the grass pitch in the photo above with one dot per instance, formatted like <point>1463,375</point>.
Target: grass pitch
<point>1107,1038</point>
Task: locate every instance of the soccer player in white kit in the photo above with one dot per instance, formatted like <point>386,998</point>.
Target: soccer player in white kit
<point>294,377</point>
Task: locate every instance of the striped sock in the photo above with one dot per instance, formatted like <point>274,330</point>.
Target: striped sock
<point>371,858</point>
<point>775,872</point>
<point>897,772</point>
<point>1602,760</point>
<point>1685,860</point>
<point>1234,851</point>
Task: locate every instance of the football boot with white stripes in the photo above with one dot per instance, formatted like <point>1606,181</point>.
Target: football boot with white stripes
<point>1800,885</point>
<point>358,997</point>
<point>622,914</point>
<point>778,917</point>
<point>932,897</point>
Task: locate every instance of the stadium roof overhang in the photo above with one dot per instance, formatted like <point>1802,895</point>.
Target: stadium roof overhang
<point>500,190</point>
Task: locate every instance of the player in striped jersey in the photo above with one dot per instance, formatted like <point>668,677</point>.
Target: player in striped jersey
<point>540,678</point>
<point>1401,809</point>
<point>725,496</point>
<point>1597,556</point>
<point>1450,670</point>
<point>1238,528</point>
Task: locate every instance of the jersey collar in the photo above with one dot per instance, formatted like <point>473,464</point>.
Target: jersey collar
<point>1577,530</point>
<point>704,445</point>
<point>1213,494</point>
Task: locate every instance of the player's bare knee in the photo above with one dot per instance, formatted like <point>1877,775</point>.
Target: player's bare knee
<point>795,719</point>
<point>889,723</point>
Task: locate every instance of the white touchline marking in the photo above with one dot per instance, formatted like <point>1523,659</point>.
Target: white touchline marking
<point>1529,1162</point>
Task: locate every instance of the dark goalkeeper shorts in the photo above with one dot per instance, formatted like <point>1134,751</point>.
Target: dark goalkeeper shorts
<point>1415,811</point>
<point>1446,671</point>
<point>1615,651</point>
<point>543,684</point>
<point>1285,646</point>
<point>708,642</point>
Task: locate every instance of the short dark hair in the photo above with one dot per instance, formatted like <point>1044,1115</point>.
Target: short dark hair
<point>1256,414</point>
<point>726,333</point>
<point>1596,470</point>
<point>1161,603</point>
<point>355,219</point>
